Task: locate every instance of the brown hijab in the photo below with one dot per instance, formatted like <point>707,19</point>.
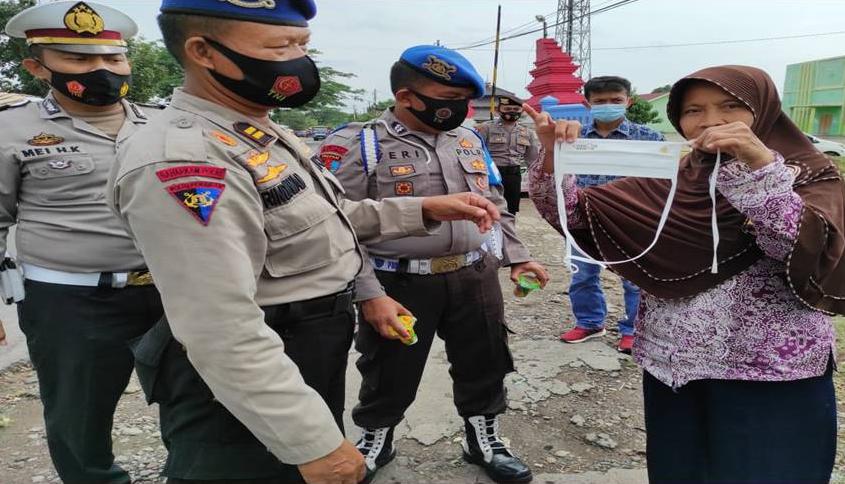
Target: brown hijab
<point>623,215</point>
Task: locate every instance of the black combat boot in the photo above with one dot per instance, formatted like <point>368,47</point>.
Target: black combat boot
<point>376,445</point>
<point>483,447</point>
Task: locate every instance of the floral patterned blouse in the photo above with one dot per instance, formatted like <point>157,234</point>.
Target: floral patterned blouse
<point>750,327</point>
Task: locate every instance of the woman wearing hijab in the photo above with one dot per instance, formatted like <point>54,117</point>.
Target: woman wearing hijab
<point>737,384</point>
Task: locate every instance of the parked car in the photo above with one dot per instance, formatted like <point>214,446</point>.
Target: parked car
<point>319,133</point>
<point>827,147</point>
<point>302,133</point>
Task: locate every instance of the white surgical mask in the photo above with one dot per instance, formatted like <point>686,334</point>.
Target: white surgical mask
<point>645,159</point>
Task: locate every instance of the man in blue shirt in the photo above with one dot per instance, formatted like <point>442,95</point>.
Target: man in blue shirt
<point>609,98</point>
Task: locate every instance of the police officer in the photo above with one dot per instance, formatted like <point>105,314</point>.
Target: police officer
<point>87,291</point>
<point>447,280</point>
<point>254,251</point>
<point>512,146</point>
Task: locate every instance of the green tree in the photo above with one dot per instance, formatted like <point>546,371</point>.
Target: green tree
<point>155,73</point>
<point>376,109</point>
<point>13,77</point>
<point>662,89</point>
<point>642,112</point>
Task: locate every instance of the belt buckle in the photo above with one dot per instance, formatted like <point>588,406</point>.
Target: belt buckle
<point>139,279</point>
<point>449,263</point>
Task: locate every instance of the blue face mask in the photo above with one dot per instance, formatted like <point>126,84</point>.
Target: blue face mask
<point>606,113</point>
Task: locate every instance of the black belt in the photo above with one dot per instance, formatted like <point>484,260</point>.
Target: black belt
<point>509,170</point>
<point>323,306</point>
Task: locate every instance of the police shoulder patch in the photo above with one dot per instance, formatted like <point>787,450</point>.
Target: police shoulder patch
<point>198,198</point>
<point>332,156</point>
<point>185,171</point>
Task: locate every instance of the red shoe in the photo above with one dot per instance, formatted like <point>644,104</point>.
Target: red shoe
<point>625,344</point>
<point>579,335</point>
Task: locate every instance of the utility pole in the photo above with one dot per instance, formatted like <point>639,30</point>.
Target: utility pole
<point>496,63</point>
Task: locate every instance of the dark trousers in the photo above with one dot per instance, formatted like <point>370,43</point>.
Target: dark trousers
<point>78,343</point>
<point>465,309</point>
<point>205,442</point>
<point>512,183</point>
<point>732,431</point>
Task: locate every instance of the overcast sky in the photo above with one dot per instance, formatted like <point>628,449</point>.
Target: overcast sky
<point>366,36</point>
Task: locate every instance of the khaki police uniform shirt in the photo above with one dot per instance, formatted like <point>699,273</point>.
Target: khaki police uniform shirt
<point>413,164</point>
<point>53,173</point>
<point>510,144</point>
<point>231,216</point>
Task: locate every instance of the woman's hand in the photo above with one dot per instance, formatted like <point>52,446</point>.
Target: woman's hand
<point>738,140</point>
<point>550,131</point>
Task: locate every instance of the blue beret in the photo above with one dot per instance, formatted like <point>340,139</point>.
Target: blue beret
<point>296,13</point>
<point>445,66</point>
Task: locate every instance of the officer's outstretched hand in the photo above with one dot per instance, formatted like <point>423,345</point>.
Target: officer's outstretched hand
<point>550,131</point>
<point>2,335</point>
<point>462,206</point>
<point>381,313</point>
<point>530,267</point>
<point>343,466</point>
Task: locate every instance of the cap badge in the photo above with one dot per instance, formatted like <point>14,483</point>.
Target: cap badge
<point>439,67</point>
<point>82,19</point>
<point>268,4</point>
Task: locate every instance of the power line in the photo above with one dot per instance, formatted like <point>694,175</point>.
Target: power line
<point>594,12</point>
<point>689,44</point>
<point>513,29</point>
<point>718,42</point>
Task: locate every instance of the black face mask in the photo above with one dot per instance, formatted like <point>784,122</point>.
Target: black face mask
<point>98,88</point>
<point>510,117</point>
<point>441,114</point>
<point>284,84</point>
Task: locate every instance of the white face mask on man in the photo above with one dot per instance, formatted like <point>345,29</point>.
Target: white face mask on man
<point>646,159</point>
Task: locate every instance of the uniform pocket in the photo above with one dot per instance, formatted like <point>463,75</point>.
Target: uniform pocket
<point>62,178</point>
<point>149,351</point>
<point>300,235</point>
<point>475,172</point>
<point>61,167</point>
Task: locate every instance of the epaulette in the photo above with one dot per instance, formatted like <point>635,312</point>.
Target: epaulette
<point>10,100</point>
<point>339,128</point>
<point>353,127</point>
<point>152,105</point>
